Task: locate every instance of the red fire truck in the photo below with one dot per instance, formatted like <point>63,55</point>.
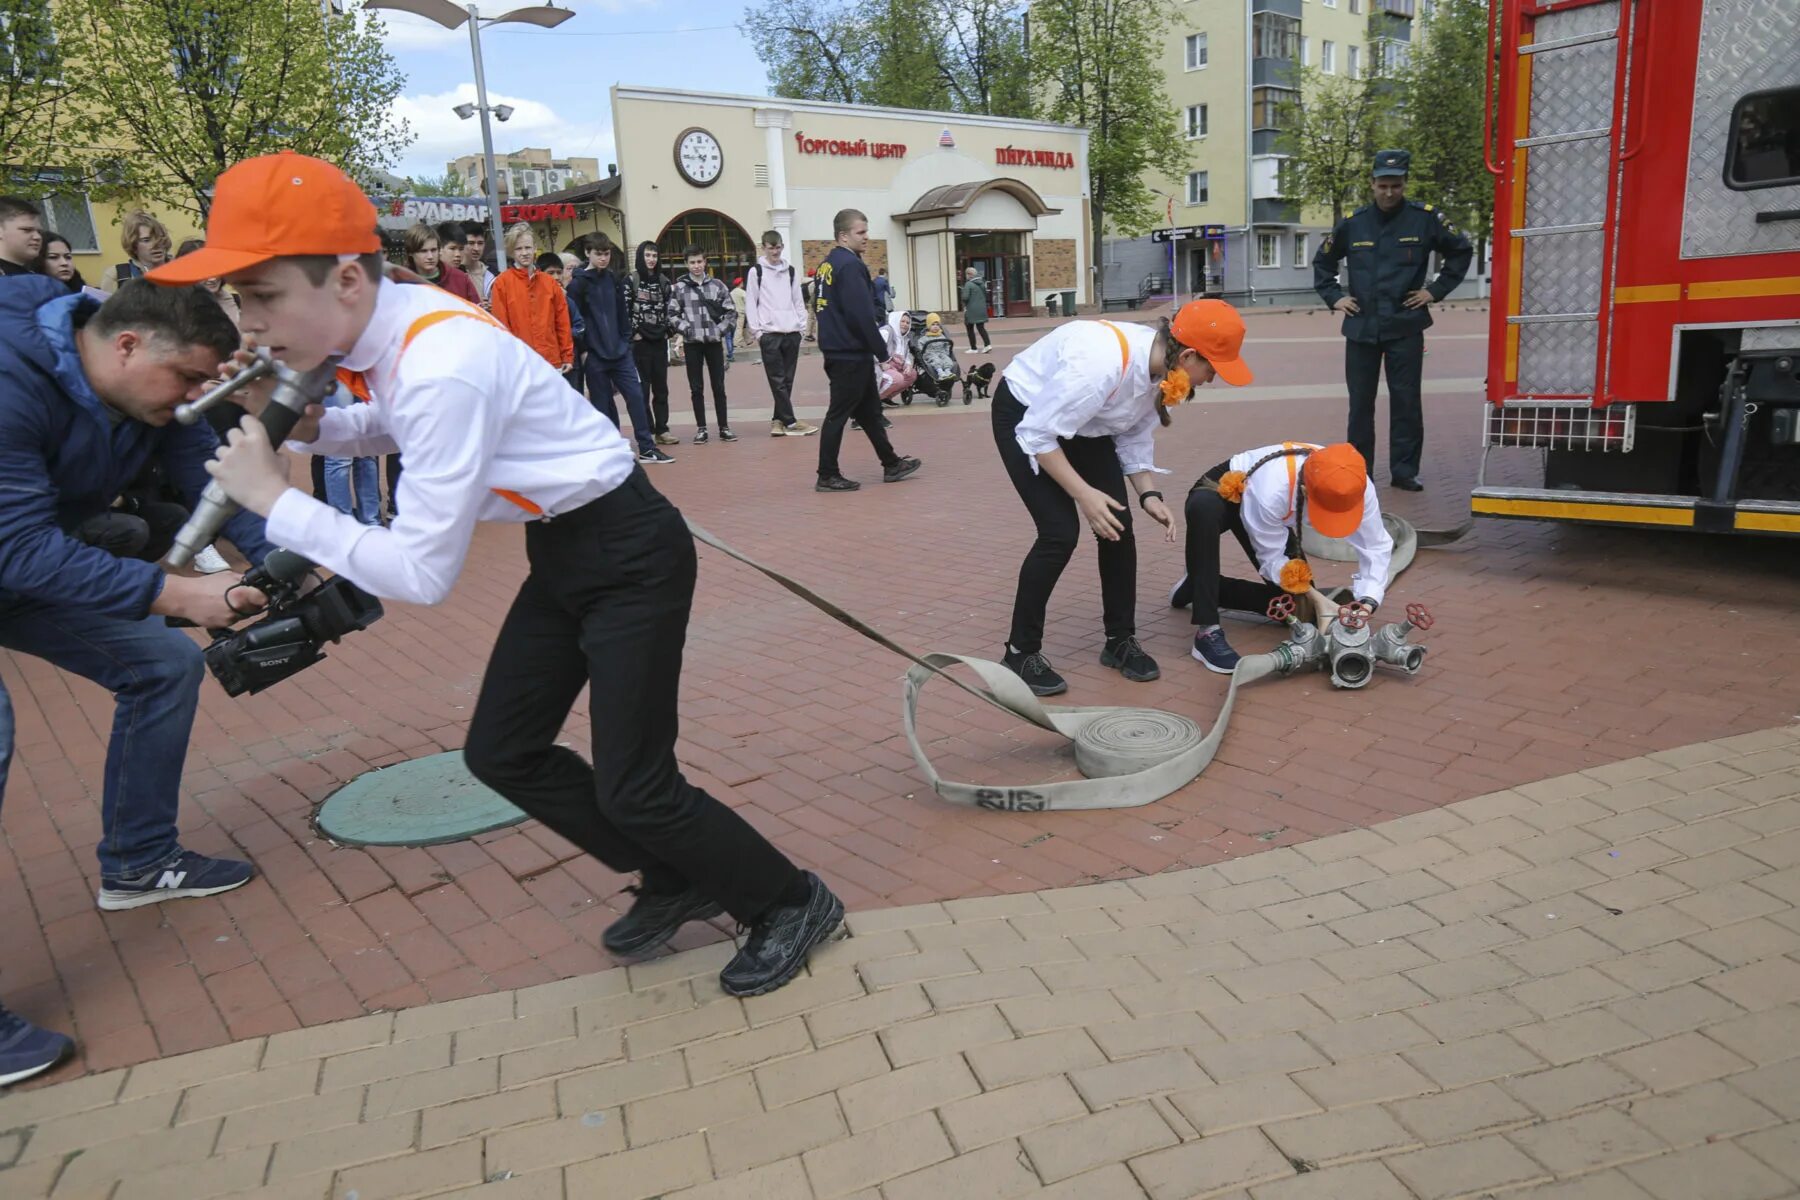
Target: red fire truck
<point>1646,330</point>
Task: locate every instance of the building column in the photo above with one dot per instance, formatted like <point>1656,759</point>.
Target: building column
<point>775,122</point>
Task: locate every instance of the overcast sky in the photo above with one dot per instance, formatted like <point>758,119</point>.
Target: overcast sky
<point>558,81</point>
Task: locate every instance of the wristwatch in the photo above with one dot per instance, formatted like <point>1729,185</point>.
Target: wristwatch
<point>1144,496</point>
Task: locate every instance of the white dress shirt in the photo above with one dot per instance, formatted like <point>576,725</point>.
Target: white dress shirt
<point>473,409</point>
<point>1268,509</point>
<point>1074,382</point>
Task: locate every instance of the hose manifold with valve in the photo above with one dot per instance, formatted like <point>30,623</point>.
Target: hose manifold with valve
<point>1347,649</point>
<point>288,401</point>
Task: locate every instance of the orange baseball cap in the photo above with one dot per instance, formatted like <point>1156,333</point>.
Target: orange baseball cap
<point>1214,329</point>
<point>1335,479</point>
<point>274,206</point>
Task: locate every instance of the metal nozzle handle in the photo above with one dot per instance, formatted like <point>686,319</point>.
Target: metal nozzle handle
<point>262,368</point>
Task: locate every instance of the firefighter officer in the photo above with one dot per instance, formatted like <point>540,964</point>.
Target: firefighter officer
<point>1387,308</point>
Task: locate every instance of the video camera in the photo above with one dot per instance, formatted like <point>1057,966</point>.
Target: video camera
<point>299,623</point>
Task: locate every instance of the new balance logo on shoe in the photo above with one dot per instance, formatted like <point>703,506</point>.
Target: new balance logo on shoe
<point>172,879</point>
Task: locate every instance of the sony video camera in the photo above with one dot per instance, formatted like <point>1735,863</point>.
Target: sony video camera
<point>299,623</point>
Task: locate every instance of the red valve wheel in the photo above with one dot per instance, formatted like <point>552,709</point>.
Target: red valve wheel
<point>1352,617</point>
<point>1281,608</point>
<point>1420,616</point>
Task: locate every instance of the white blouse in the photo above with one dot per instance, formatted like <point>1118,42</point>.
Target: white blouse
<point>1078,382</point>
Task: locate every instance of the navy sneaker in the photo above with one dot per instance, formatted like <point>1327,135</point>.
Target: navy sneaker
<point>186,875</point>
<point>26,1050</point>
<point>1182,594</point>
<point>1215,652</point>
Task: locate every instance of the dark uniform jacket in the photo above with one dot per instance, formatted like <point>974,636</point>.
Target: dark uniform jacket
<point>1388,258</point>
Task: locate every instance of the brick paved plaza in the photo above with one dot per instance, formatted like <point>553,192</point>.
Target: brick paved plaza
<point>1327,969</point>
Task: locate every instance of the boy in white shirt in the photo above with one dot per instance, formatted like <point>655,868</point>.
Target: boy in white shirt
<point>491,432</point>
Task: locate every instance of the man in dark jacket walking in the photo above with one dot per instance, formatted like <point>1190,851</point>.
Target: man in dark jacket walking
<point>89,403</point>
<point>1387,308</point>
<point>604,305</point>
<point>850,341</point>
<point>649,295</point>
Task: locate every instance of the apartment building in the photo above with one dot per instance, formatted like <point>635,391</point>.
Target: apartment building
<point>1229,67</point>
<point>524,174</point>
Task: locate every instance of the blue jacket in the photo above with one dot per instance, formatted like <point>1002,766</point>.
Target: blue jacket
<point>844,299</point>
<point>64,459</point>
<point>599,297</point>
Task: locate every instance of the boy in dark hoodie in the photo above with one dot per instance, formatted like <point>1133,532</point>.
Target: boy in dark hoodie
<point>850,341</point>
<point>604,304</point>
<point>649,296</point>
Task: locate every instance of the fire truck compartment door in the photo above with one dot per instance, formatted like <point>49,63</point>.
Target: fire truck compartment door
<point>1746,46</point>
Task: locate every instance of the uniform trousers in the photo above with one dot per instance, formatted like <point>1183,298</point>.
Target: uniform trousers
<point>1405,363</point>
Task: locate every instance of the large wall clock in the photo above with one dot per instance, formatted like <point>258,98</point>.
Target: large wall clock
<point>698,157</point>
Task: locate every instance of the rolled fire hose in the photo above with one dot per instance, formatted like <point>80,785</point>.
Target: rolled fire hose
<point>1129,756</point>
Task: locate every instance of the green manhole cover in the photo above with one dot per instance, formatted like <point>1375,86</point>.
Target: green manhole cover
<point>425,802</point>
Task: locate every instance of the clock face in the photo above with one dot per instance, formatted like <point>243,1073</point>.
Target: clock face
<point>698,157</point>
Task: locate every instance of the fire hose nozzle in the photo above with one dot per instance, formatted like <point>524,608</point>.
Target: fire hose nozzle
<point>262,368</point>
<point>1347,651</point>
<point>1389,645</point>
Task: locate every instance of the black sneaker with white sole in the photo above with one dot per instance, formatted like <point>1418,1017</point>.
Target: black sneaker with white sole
<point>182,877</point>
<point>654,918</point>
<point>1215,652</point>
<point>725,434</point>
<point>700,439</point>
<point>1036,671</point>
<point>781,939</point>
<point>1128,656</point>
<point>654,455</point>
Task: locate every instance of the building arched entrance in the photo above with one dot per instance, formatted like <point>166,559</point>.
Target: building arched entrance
<point>729,250</point>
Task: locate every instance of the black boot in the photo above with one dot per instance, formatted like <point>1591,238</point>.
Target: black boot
<point>781,939</point>
<point>654,919</point>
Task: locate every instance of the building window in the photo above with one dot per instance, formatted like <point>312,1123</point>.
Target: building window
<point>1275,36</point>
<point>1353,60</point>
<point>1328,56</point>
<point>1268,250</point>
<point>1764,150</point>
<point>28,43</point>
<point>1329,3</point>
<point>67,213</point>
<point>1266,104</point>
<point>1355,6</point>
<point>1194,121</point>
<point>1196,187</point>
<point>1196,51</point>
<point>1305,51</point>
<point>1300,255</point>
<point>1394,55</point>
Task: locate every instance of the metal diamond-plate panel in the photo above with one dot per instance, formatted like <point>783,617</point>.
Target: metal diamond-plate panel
<point>1745,46</point>
<point>1561,274</point>
<point>1565,182</point>
<point>1558,359</point>
<point>1572,89</point>
<point>1590,18</point>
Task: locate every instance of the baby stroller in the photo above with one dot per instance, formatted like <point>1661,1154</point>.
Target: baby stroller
<point>935,355</point>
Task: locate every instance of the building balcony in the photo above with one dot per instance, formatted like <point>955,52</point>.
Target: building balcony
<point>1286,8</point>
<point>1274,211</point>
<point>1275,72</point>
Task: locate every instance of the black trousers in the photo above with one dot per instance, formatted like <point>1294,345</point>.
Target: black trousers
<point>1059,526</point>
<point>146,533</point>
<point>652,358</point>
<point>605,607</point>
<point>393,483</point>
<point>781,358</point>
<point>855,394</point>
<point>1405,359</point>
<point>982,326</point>
<point>703,359</point>
<point>1209,517</point>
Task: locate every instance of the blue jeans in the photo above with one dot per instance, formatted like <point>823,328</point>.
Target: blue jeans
<point>338,475</point>
<point>730,343</point>
<point>154,673</point>
<point>604,376</point>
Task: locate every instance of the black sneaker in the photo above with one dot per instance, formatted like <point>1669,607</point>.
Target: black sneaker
<point>653,920</point>
<point>1408,485</point>
<point>900,470</point>
<point>780,941</point>
<point>1215,652</point>
<point>725,434</point>
<point>700,439</point>
<point>837,483</point>
<point>1182,594</point>
<point>1129,657</point>
<point>1037,673</point>
<point>27,1050</point>
<point>185,875</point>
<point>654,455</point>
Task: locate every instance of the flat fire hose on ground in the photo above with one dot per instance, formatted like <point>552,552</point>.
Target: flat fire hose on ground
<point>1129,756</point>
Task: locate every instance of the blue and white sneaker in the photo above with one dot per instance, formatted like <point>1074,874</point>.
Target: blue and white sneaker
<point>1215,652</point>
<point>26,1050</point>
<point>185,875</point>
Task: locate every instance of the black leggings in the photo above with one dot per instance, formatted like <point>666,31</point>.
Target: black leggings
<point>1059,526</point>
<point>1209,517</point>
<point>982,326</point>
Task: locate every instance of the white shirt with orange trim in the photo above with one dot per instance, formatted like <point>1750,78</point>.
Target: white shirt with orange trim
<point>1075,382</point>
<point>477,413</point>
<point>1268,512</point>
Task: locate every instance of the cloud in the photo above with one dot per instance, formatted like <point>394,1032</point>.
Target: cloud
<point>442,135</point>
<point>408,32</point>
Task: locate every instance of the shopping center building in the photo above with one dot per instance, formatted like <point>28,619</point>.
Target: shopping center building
<point>942,191</point>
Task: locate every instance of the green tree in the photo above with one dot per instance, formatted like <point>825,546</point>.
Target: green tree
<point>1330,135</point>
<point>192,86</point>
<point>1088,67</point>
<point>36,94</point>
<point>1441,116</point>
<point>447,184</point>
<point>984,57</point>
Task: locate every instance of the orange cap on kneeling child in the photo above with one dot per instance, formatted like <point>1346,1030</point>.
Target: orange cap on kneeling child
<point>272,207</point>
<point>1214,329</point>
<point>1335,479</point>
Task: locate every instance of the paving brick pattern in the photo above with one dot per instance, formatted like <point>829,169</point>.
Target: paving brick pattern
<point>1587,986</point>
<point>1557,650</point>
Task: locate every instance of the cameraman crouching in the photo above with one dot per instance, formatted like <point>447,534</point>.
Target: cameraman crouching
<point>90,398</point>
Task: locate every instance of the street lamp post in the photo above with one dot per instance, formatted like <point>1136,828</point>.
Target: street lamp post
<point>450,16</point>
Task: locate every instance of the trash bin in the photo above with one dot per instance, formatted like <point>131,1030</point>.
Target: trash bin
<point>1050,302</point>
<point>1068,304</point>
